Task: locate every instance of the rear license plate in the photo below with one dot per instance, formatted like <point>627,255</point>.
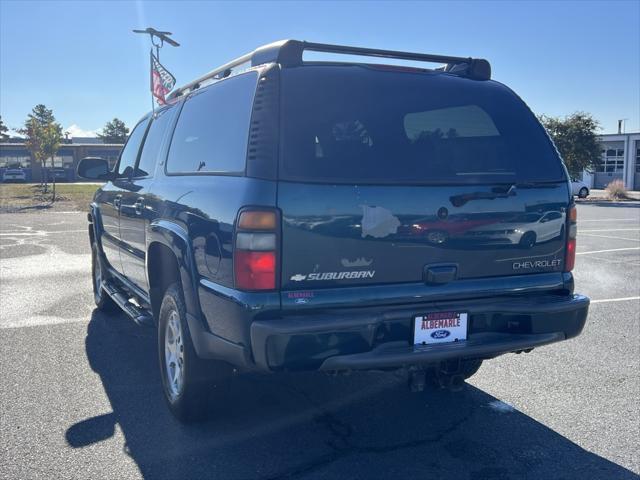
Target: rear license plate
<point>439,327</point>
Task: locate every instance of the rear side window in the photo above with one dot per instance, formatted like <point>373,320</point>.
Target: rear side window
<point>130,151</point>
<point>153,142</point>
<point>353,124</point>
<point>213,128</point>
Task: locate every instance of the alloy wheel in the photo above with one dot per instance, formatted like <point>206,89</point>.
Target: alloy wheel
<point>174,355</point>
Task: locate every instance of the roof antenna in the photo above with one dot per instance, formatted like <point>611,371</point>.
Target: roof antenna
<point>161,80</point>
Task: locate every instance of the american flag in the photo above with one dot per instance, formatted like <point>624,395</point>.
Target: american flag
<point>161,80</point>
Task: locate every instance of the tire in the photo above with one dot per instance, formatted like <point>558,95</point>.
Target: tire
<point>103,301</point>
<point>583,192</point>
<point>470,368</point>
<point>188,381</point>
<point>528,240</point>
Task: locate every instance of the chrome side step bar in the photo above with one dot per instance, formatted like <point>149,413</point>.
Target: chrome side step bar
<point>137,313</point>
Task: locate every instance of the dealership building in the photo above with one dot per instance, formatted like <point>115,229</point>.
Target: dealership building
<point>14,154</point>
<point>620,161</point>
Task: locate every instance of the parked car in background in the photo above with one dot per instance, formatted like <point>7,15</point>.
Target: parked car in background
<point>525,230</point>
<point>579,188</point>
<point>59,174</point>
<point>310,216</point>
<point>14,175</point>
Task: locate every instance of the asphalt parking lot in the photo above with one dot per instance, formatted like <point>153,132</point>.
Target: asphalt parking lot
<point>80,395</point>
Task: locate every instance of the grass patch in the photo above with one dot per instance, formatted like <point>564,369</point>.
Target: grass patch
<point>27,196</point>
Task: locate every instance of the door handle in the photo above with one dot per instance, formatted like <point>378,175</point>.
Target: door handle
<point>117,201</point>
<point>138,206</point>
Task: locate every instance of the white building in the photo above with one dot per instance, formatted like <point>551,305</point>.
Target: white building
<point>620,160</point>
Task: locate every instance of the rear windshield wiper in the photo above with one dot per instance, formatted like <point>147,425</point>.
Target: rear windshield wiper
<point>496,192</point>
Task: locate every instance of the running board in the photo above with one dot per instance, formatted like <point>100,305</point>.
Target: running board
<point>138,314</point>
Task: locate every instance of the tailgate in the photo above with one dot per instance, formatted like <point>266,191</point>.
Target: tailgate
<point>355,235</point>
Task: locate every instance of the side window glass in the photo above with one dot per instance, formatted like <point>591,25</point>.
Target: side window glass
<point>213,129</point>
<point>153,142</point>
<point>130,151</point>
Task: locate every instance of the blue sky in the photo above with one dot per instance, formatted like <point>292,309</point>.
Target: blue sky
<point>81,59</point>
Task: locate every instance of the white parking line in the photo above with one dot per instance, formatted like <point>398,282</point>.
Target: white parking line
<point>37,233</point>
<point>624,299</point>
<point>38,321</point>
<point>610,220</point>
<point>610,250</point>
<point>610,260</point>
<point>608,236</point>
<point>66,212</point>
<point>613,230</point>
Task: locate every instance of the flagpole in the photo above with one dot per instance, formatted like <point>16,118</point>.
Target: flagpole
<point>153,104</point>
<point>167,81</point>
<point>158,46</point>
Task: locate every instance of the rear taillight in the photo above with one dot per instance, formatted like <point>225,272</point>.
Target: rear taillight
<point>255,254</point>
<point>572,232</point>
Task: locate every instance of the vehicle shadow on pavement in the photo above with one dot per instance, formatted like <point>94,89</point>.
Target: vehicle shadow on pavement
<point>365,425</point>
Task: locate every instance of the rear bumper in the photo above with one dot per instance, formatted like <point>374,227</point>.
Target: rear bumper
<point>482,345</point>
<point>375,338</point>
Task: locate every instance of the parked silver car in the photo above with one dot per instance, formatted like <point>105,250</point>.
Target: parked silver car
<point>579,188</point>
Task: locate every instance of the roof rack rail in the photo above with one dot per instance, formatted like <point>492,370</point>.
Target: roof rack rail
<point>289,53</point>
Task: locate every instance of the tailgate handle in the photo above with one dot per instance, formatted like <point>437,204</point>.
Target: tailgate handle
<point>438,274</point>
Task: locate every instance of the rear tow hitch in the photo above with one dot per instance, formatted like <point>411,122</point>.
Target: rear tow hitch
<point>418,380</point>
<point>454,383</point>
<point>449,375</point>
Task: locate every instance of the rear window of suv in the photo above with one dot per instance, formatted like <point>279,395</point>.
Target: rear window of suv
<point>357,124</point>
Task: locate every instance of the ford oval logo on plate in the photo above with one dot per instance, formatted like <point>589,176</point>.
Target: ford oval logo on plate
<point>440,334</point>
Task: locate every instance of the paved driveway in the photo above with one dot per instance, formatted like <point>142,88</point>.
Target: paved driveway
<point>80,395</point>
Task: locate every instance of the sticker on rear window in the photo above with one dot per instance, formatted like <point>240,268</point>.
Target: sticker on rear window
<point>378,222</point>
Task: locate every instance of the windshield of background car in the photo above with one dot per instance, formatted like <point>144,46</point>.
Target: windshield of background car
<point>359,124</point>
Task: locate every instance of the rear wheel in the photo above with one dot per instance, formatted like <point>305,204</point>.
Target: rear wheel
<point>102,300</point>
<point>583,193</point>
<point>188,381</point>
<point>470,368</point>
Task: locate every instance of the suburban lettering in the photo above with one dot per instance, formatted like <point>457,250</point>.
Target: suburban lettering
<point>341,275</point>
